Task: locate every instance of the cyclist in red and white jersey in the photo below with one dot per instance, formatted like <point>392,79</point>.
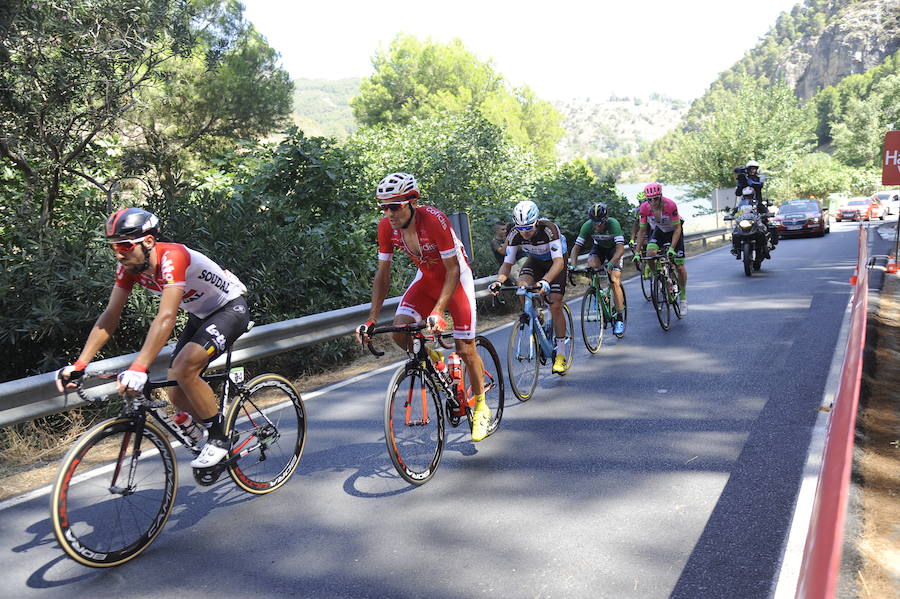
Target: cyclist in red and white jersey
<point>444,281</point>
<point>181,277</point>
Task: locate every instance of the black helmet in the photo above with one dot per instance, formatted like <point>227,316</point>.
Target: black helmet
<point>129,223</point>
<point>598,212</point>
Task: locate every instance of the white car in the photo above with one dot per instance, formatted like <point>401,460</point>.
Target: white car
<point>890,200</point>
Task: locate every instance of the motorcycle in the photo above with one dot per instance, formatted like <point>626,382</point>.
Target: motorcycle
<point>751,239</point>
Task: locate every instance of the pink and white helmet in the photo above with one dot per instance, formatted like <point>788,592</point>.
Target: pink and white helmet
<point>652,191</point>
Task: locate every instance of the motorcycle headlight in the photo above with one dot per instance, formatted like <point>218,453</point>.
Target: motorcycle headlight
<point>745,224</point>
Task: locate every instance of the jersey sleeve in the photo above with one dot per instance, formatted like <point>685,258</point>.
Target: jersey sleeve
<point>615,229</point>
<point>512,248</point>
<point>173,264</point>
<point>584,233</point>
<point>644,213</point>
<point>676,218</point>
<point>385,246</point>
<point>557,241</point>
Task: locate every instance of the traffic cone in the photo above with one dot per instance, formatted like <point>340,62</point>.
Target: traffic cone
<point>891,264</point>
<point>855,276</point>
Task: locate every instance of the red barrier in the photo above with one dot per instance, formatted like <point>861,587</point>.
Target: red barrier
<point>822,554</point>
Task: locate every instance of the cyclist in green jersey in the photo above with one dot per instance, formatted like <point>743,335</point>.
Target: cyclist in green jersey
<point>605,233</point>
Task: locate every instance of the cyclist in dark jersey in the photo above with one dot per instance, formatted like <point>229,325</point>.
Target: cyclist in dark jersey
<point>545,247</point>
<point>608,247</point>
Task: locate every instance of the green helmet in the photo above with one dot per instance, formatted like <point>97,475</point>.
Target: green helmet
<point>640,197</point>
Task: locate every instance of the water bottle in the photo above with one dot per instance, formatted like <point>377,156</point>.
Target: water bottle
<point>455,366</point>
<point>187,424</point>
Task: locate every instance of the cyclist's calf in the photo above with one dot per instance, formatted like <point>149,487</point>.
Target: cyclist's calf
<point>192,393</point>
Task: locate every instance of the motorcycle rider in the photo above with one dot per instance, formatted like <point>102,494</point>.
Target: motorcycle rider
<point>749,176</point>
<point>747,203</point>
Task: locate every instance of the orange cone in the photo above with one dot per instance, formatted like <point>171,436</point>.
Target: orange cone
<point>855,277</point>
<point>891,264</point>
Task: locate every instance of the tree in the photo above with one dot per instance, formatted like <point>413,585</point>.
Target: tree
<point>766,124</point>
<point>815,175</point>
<point>229,87</point>
<point>424,79</point>
<point>859,135</point>
<point>71,70</point>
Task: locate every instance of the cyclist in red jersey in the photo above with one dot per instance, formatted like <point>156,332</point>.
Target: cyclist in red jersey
<point>181,277</point>
<point>444,281</point>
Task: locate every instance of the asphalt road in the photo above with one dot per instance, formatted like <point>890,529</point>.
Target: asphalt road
<point>665,466</point>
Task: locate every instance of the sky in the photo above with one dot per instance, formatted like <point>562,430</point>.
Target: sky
<point>562,49</point>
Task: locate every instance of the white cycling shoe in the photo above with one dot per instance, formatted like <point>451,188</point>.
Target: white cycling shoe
<point>212,453</point>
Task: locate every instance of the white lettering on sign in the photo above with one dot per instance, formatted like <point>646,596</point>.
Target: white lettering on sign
<point>892,157</point>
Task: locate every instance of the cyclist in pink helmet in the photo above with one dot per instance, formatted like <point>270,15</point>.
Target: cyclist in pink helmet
<point>661,224</point>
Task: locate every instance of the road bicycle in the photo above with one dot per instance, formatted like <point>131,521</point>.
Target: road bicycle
<point>116,486</point>
<point>665,291</point>
<point>424,393</point>
<point>531,342</point>
<point>598,309</point>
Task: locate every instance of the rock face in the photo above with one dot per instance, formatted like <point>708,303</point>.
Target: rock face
<point>857,38</point>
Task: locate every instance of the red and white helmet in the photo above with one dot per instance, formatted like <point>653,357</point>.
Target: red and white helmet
<point>652,190</point>
<point>397,186</point>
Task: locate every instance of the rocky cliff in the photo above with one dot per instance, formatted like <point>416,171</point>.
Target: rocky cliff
<point>855,39</point>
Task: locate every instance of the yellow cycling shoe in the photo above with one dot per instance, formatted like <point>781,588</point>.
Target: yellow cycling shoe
<point>559,364</point>
<point>481,419</point>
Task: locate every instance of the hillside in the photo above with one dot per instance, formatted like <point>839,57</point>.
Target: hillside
<point>322,107</point>
<point>615,127</point>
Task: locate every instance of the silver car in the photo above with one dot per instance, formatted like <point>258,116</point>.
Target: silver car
<point>889,199</point>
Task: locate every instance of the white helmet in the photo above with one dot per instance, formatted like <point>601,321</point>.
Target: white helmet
<point>525,213</point>
<point>752,163</point>
<point>397,186</point>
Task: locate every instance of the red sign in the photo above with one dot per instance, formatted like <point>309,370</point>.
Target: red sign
<point>890,166</point>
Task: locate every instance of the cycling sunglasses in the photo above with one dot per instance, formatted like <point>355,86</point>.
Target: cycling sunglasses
<point>126,245</point>
<point>525,227</point>
<point>394,206</point>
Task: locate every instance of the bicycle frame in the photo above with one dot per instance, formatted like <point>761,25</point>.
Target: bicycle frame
<point>536,326</point>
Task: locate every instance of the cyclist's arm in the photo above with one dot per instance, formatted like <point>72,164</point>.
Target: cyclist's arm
<point>676,234</point>
<point>642,232</point>
<point>381,283</point>
<point>576,250</point>
<point>617,255</point>
<point>162,325</point>
<point>451,280</point>
<point>558,266</point>
<point>106,324</point>
<point>503,273</point>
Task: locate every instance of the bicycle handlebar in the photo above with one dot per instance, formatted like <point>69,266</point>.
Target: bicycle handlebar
<point>409,329</point>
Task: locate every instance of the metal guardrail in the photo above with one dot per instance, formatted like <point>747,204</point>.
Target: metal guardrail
<point>25,399</point>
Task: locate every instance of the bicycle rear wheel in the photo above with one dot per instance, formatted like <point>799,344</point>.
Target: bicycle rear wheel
<point>494,384</point>
<point>111,499</point>
<point>660,301</point>
<point>267,426</point>
<point>523,360</point>
<point>593,323</point>
<point>413,424</point>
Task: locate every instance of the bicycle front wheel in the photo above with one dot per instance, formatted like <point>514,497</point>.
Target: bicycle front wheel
<point>523,360</point>
<point>570,336</point>
<point>660,300</point>
<point>494,385</point>
<point>646,283</point>
<point>113,493</point>
<point>267,426</point>
<point>593,322</point>
<point>413,424</point>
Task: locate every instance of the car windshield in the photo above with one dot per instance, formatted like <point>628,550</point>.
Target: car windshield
<point>857,202</point>
<point>801,206</point>
<point>884,195</point>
